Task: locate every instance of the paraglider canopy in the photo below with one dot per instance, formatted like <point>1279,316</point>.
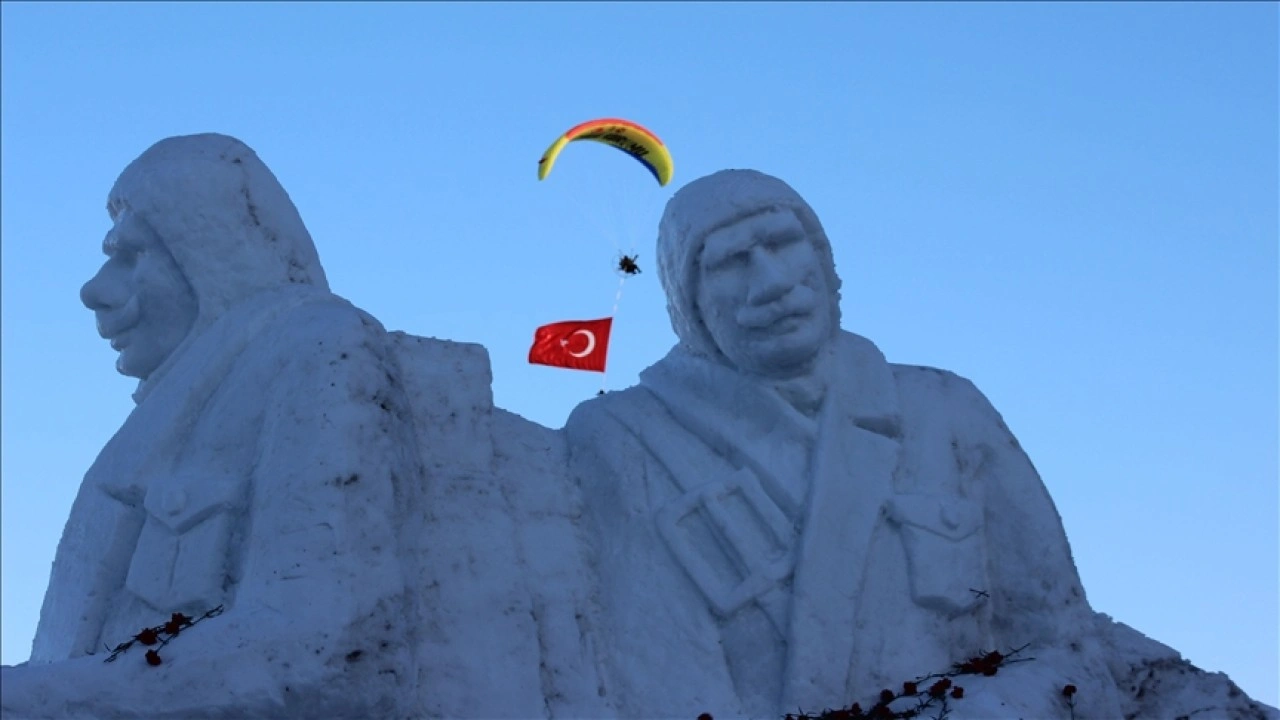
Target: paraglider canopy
<point>624,135</point>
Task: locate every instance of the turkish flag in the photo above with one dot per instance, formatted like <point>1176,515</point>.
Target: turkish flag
<point>574,344</point>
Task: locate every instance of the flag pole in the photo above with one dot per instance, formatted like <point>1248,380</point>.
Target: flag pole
<point>613,314</point>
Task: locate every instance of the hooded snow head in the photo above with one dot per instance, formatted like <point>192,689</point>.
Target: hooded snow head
<point>706,205</point>
<point>220,211</point>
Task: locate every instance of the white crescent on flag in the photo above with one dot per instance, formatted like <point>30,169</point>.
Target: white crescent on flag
<point>591,343</point>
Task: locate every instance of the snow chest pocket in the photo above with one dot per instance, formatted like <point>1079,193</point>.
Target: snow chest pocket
<point>945,556</point>
<point>182,554</point>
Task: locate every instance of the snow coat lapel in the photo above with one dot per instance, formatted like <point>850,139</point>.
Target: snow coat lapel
<point>854,464</point>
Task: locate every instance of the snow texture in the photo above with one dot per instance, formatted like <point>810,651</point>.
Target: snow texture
<point>776,518</point>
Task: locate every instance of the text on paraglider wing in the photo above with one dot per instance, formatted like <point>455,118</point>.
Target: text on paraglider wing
<point>618,139</point>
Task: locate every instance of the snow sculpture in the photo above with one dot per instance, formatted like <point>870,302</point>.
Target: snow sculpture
<point>786,522</point>
<point>381,540</point>
<point>775,518</point>
<point>259,471</point>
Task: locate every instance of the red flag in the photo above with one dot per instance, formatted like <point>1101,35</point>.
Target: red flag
<point>574,344</point>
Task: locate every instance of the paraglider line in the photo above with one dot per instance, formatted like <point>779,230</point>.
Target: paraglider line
<point>613,314</point>
<point>618,298</point>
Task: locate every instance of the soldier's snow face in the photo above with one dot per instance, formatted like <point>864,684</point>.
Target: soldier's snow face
<point>763,295</point>
<point>143,303</point>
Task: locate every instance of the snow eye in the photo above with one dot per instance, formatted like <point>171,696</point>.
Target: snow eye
<point>777,242</point>
<point>733,260</point>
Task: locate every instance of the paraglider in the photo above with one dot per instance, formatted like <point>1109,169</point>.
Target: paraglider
<point>629,137</point>
<point>551,343</point>
<point>627,264</point>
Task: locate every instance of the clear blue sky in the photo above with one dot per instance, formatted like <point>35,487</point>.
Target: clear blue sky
<point>1074,205</point>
